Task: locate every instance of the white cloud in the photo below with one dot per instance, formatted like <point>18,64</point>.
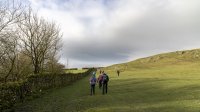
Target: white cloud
<point>103,32</point>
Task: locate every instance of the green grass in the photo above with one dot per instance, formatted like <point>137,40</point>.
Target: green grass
<point>75,71</point>
<point>162,83</point>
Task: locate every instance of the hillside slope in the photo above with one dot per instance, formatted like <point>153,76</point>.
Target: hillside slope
<point>179,58</point>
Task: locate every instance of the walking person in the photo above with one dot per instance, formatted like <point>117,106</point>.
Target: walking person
<point>118,72</point>
<point>100,71</point>
<point>105,83</point>
<point>100,79</point>
<point>92,84</point>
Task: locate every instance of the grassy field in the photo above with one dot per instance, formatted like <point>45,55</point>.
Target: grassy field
<point>75,71</point>
<point>161,83</point>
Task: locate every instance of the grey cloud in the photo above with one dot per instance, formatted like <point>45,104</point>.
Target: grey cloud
<point>92,51</point>
<point>160,29</point>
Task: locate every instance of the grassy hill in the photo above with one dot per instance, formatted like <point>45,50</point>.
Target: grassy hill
<point>162,60</point>
<point>167,82</point>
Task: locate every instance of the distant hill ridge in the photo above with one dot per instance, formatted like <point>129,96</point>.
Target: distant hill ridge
<point>161,60</point>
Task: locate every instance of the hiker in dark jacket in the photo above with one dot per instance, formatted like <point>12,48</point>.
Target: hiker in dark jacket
<point>105,83</point>
<point>100,79</point>
<point>92,83</point>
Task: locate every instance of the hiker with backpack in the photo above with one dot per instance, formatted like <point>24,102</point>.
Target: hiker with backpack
<point>100,79</point>
<point>92,83</point>
<point>105,83</point>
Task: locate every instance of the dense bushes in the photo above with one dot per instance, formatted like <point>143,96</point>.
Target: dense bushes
<point>13,92</point>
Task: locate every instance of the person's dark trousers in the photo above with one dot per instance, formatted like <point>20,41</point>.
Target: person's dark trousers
<point>100,84</point>
<point>92,91</point>
<point>105,87</point>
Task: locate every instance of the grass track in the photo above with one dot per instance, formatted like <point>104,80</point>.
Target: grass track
<point>167,85</point>
<point>132,91</point>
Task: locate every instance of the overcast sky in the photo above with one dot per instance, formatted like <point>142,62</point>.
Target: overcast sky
<point>105,32</point>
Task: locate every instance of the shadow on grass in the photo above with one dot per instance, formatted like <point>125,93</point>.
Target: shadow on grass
<point>154,94</point>
<point>135,94</point>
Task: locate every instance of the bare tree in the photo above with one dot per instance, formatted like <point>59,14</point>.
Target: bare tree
<point>40,39</point>
<point>10,14</point>
<point>23,66</point>
<point>8,59</point>
<point>53,66</point>
<point>27,41</point>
